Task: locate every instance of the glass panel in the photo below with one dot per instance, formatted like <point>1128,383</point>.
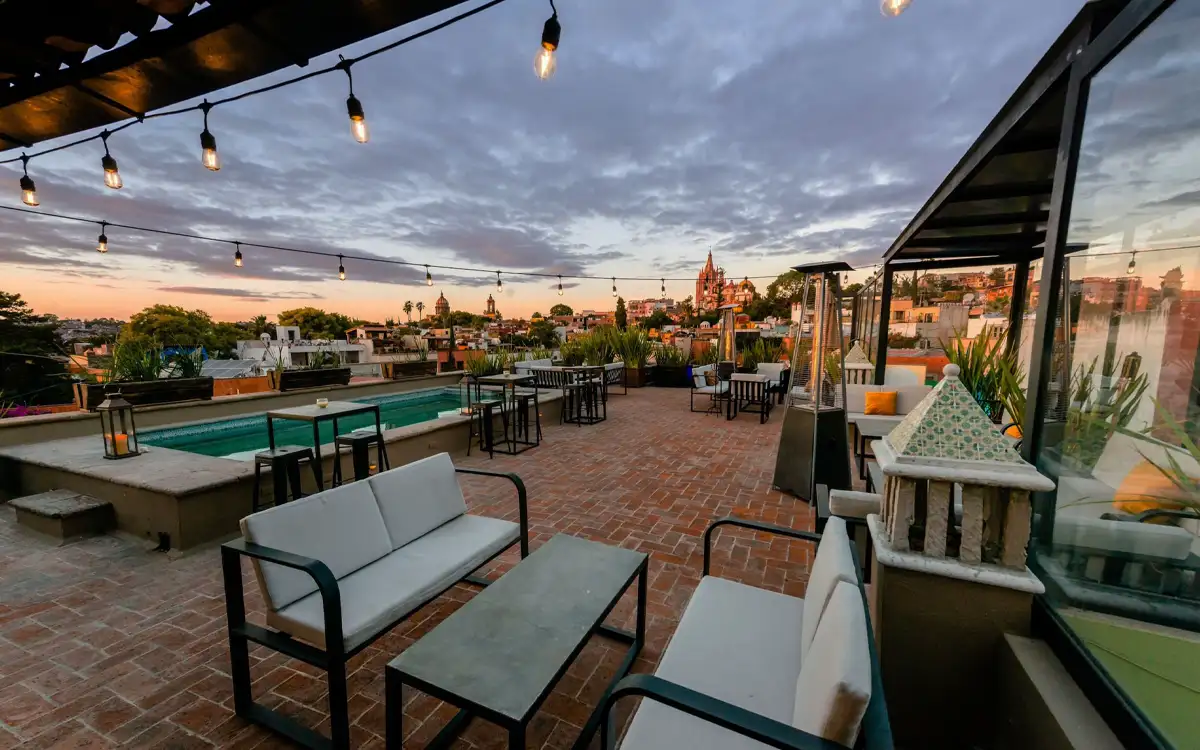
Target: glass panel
<point>1116,544</point>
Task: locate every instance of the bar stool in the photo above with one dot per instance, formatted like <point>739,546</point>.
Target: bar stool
<point>359,444</point>
<point>285,470</point>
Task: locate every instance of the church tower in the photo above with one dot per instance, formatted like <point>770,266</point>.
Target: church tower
<point>709,285</point>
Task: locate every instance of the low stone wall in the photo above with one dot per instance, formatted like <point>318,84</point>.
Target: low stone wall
<point>40,428</point>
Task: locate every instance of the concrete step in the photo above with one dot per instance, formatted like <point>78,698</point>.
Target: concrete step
<point>64,514</point>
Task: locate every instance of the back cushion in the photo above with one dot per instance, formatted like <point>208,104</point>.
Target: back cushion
<point>908,396</point>
<point>856,397</point>
<point>340,527</point>
<point>417,498</point>
<point>774,369</point>
<point>834,686</point>
<point>834,563</point>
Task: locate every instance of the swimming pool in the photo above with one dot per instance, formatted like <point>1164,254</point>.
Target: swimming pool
<point>239,438</point>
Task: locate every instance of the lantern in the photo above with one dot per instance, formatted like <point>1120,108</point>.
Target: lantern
<point>116,424</point>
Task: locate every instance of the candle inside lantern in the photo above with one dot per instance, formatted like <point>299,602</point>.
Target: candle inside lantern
<point>120,444</point>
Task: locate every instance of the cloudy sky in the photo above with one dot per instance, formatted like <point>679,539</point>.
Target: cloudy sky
<point>774,131</point>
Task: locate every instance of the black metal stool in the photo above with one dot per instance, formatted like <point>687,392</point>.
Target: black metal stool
<point>285,470</point>
<point>359,444</point>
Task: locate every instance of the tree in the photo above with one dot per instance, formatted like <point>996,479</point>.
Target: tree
<point>997,276</point>
<point>408,308</point>
<point>561,309</point>
<point>1000,304</point>
<point>170,325</point>
<point>258,325</point>
<point>787,287</point>
<point>318,324</point>
<point>621,316</point>
<point>657,320</point>
<point>544,334</point>
<point>852,290</point>
<point>687,310</point>
<point>21,330</point>
<point>221,342</point>
<point>420,309</point>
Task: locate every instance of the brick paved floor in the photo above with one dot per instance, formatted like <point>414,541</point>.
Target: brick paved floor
<point>105,644</point>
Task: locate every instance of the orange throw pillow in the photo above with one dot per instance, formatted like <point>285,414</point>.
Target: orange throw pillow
<point>1013,431</point>
<point>881,403</point>
<point>1146,488</point>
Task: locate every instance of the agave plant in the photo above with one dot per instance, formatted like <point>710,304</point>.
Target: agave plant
<point>982,363</point>
<point>185,364</point>
<point>487,364</point>
<point>669,356</point>
<point>135,360</point>
<point>1181,443</point>
<point>635,348</point>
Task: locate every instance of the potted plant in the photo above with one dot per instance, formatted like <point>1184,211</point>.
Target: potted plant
<point>670,367</point>
<point>323,369</point>
<point>417,365</point>
<point>635,350</point>
<point>145,374</point>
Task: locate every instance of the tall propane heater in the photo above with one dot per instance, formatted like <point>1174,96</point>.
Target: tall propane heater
<point>814,450</point>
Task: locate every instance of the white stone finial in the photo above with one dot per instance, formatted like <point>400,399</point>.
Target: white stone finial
<point>951,371</point>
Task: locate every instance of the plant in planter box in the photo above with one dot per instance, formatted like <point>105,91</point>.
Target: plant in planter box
<point>635,349</point>
<point>670,367</point>
<point>143,376</point>
<point>982,362</point>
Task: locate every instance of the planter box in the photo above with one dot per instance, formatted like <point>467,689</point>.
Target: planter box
<point>637,378</point>
<point>668,376</point>
<point>292,380</point>
<point>402,370</point>
<point>145,392</point>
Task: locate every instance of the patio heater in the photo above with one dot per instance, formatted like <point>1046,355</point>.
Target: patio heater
<point>814,450</point>
<point>727,342</point>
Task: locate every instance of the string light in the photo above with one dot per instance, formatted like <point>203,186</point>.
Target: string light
<point>614,286</point>
<point>358,120</point>
<point>1132,263</point>
<point>893,8</point>
<point>544,63</point>
<point>237,256</point>
<point>341,269</point>
<point>28,190</point>
<point>428,277</point>
<point>499,283</point>
<point>102,240</point>
<point>208,144</point>
<point>112,177</point>
<point>664,287</point>
<point>560,291</point>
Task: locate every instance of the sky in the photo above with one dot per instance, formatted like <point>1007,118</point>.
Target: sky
<point>773,133</point>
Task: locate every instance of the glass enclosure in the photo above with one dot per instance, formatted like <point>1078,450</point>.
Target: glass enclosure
<point>1117,544</point>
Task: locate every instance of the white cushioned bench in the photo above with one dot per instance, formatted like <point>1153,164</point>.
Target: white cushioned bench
<point>339,568</point>
<point>907,398</point>
<point>749,668</point>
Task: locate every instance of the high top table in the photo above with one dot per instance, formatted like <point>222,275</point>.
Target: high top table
<point>333,411</point>
<point>498,656</point>
<point>516,423</point>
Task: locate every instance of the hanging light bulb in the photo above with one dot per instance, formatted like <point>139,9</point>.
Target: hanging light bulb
<point>614,286</point>
<point>341,269</point>
<point>893,8</point>
<point>237,256</point>
<point>28,191</point>
<point>560,291</point>
<point>1132,263</point>
<point>208,144</point>
<point>102,240</point>
<point>354,108</point>
<point>112,177</point>
<point>428,277</point>
<point>664,288</point>
<point>499,283</point>
<point>544,63</point>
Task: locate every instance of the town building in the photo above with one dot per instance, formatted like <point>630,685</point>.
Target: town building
<point>490,309</point>
<point>442,306</point>
<point>637,309</point>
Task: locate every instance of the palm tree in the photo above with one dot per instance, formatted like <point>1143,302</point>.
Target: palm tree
<point>686,310</point>
<point>420,308</point>
<point>259,325</point>
<point>408,308</point>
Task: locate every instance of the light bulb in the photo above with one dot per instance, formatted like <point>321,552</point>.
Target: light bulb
<point>102,242</point>
<point>237,258</point>
<point>664,287</point>
<point>560,291</point>
<point>893,8</point>
<point>209,156</point>
<point>614,286</point>
<point>428,277</point>
<point>499,283</point>
<point>1132,266</point>
<point>28,191</point>
<point>358,120</point>
<point>544,64</point>
<point>341,269</point>
<point>112,177</point>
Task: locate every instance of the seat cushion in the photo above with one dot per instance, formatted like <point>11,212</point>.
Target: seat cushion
<point>737,643</point>
<point>771,369</point>
<point>834,686</point>
<point>388,589</point>
<point>416,498</point>
<point>341,527</point>
<point>833,564</point>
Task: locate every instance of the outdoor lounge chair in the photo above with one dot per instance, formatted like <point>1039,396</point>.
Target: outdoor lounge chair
<point>777,670</point>
<point>340,568</point>
<point>779,372</point>
<point>700,386</point>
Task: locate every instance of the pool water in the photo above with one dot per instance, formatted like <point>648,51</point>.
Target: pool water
<point>240,437</point>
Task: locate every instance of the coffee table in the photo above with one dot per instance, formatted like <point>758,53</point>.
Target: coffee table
<point>499,655</point>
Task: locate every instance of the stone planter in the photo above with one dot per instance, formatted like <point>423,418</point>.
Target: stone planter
<point>637,378</point>
<point>291,380</point>
<point>145,392</point>
<point>672,376</point>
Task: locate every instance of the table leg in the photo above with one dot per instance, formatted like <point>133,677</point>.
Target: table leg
<point>861,444</point>
<point>394,710</point>
<point>537,412</point>
<point>318,469</point>
<point>516,738</point>
<point>384,464</point>
<point>270,433</point>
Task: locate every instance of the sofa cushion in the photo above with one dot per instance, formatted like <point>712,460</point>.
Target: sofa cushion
<point>736,643</point>
<point>341,527</point>
<point>833,563</point>
<point>771,369</point>
<point>856,397</point>
<point>388,589</point>
<point>834,686</point>
<point>908,396</point>
<point>418,497</point>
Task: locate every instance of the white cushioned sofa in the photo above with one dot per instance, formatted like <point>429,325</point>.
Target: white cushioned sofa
<point>907,398</point>
<point>340,568</point>
<point>748,668</point>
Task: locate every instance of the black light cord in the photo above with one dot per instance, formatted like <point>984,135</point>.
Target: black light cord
<point>342,64</point>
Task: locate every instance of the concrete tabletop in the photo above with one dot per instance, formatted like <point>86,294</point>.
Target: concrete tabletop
<point>312,412</point>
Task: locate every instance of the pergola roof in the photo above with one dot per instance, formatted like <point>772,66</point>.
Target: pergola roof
<point>47,90</point>
<point>995,202</point>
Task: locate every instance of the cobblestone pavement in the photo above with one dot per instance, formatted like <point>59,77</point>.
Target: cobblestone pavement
<point>103,643</point>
